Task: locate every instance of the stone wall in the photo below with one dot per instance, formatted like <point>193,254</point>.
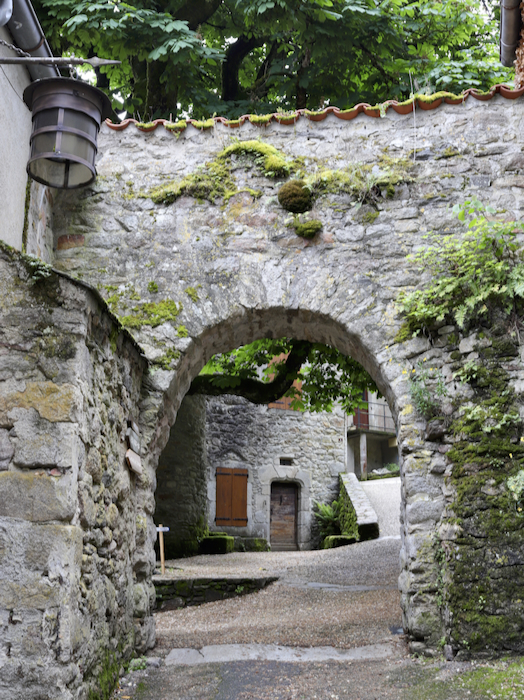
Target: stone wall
<point>194,277</point>
<point>231,432</point>
<point>69,515</point>
<point>181,502</point>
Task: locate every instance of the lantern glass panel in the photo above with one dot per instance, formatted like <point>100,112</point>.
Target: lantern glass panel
<point>79,175</point>
<point>44,143</point>
<point>49,117</point>
<point>77,146</point>
<point>83,122</point>
<point>60,173</point>
<point>49,171</point>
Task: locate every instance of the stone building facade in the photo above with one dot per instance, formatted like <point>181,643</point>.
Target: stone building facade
<point>276,447</point>
<point>189,278</point>
<point>307,450</point>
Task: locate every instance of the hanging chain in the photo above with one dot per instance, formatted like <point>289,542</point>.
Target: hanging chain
<point>24,54</point>
<point>20,52</point>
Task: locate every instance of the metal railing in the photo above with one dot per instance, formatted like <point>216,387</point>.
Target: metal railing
<point>376,417</point>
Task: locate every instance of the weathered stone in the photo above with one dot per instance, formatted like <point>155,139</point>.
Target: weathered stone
<point>39,443</point>
<point>93,465</point>
<point>57,403</point>
<point>435,429</point>
<point>37,498</point>
<point>250,277</point>
<point>6,449</point>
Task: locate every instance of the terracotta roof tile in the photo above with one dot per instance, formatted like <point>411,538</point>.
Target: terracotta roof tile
<point>289,118</point>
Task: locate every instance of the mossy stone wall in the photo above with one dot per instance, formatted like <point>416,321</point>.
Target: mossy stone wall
<point>249,276</point>
<point>379,187</point>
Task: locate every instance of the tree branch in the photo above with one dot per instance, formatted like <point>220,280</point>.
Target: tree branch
<point>254,390</point>
<point>196,12</point>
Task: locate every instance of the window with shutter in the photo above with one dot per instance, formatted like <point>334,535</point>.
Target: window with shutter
<point>231,504</point>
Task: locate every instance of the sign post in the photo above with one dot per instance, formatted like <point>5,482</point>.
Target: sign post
<point>160,529</point>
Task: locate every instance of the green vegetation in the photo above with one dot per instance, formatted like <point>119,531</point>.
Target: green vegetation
<point>367,183</point>
<point>167,360</point>
<point>138,664</point>
<point>370,217</point>
<point>152,314</point>
<point>217,544</point>
<point>478,286</point>
<point>152,287</point>
<point>307,229</point>
<point>199,58</point>
<point>484,680</point>
<point>107,677</point>
<point>427,390</point>
<point>214,180</point>
<point>347,515</point>
<point>267,369</point>
<point>327,518</point>
<point>337,522</point>
<point>516,488</point>
<point>295,196</point>
<point>192,293</point>
<point>473,274</point>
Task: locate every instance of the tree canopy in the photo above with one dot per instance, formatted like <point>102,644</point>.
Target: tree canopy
<point>268,369</point>
<point>200,57</point>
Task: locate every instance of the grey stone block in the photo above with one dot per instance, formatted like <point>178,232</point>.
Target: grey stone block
<point>36,497</point>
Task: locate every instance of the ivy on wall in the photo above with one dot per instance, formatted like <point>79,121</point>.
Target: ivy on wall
<point>477,285</point>
<point>474,273</point>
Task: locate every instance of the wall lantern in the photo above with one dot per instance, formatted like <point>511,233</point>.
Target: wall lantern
<point>67,115</point>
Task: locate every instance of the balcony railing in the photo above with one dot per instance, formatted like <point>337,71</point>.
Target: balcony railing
<point>377,416</point>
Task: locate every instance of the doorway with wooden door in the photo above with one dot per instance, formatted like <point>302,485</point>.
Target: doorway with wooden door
<point>284,513</point>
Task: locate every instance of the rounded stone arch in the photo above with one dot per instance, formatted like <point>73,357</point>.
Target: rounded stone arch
<point>365,345</point>
<point>358,337</point>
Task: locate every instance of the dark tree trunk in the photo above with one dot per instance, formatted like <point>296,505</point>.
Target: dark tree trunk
<point>301,92</point>
<point>235,54</point>
<point>196,12</point>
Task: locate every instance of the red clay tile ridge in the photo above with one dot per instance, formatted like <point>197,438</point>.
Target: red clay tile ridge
<point>424,102</point>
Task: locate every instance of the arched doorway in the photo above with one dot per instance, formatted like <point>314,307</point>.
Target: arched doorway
<point>257,323</point>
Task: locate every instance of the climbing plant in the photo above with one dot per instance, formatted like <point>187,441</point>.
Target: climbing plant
<point>476,286</point>
<point>473,273</point>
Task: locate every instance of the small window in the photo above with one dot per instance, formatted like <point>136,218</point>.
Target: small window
<point>286,461</point>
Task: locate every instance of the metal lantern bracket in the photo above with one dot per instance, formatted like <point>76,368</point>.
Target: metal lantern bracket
<point>66,115</point>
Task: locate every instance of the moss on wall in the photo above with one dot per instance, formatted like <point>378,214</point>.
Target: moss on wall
<point>347,514</point>
<point>481,570</point>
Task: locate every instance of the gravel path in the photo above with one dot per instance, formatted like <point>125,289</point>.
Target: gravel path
<point>343,598</point>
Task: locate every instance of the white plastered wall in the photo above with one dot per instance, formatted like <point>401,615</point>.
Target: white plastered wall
<point>15,130</point>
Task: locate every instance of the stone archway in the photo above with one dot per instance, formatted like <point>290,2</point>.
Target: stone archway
<point>419,483</point>
<point>190,278</point>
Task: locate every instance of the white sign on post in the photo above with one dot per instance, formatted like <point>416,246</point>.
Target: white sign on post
<point>161,529</point>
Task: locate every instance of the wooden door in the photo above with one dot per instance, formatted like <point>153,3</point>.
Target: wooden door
<point>284,507</point>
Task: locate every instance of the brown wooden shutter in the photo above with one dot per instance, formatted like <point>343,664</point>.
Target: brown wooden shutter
<point>231,504</point>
